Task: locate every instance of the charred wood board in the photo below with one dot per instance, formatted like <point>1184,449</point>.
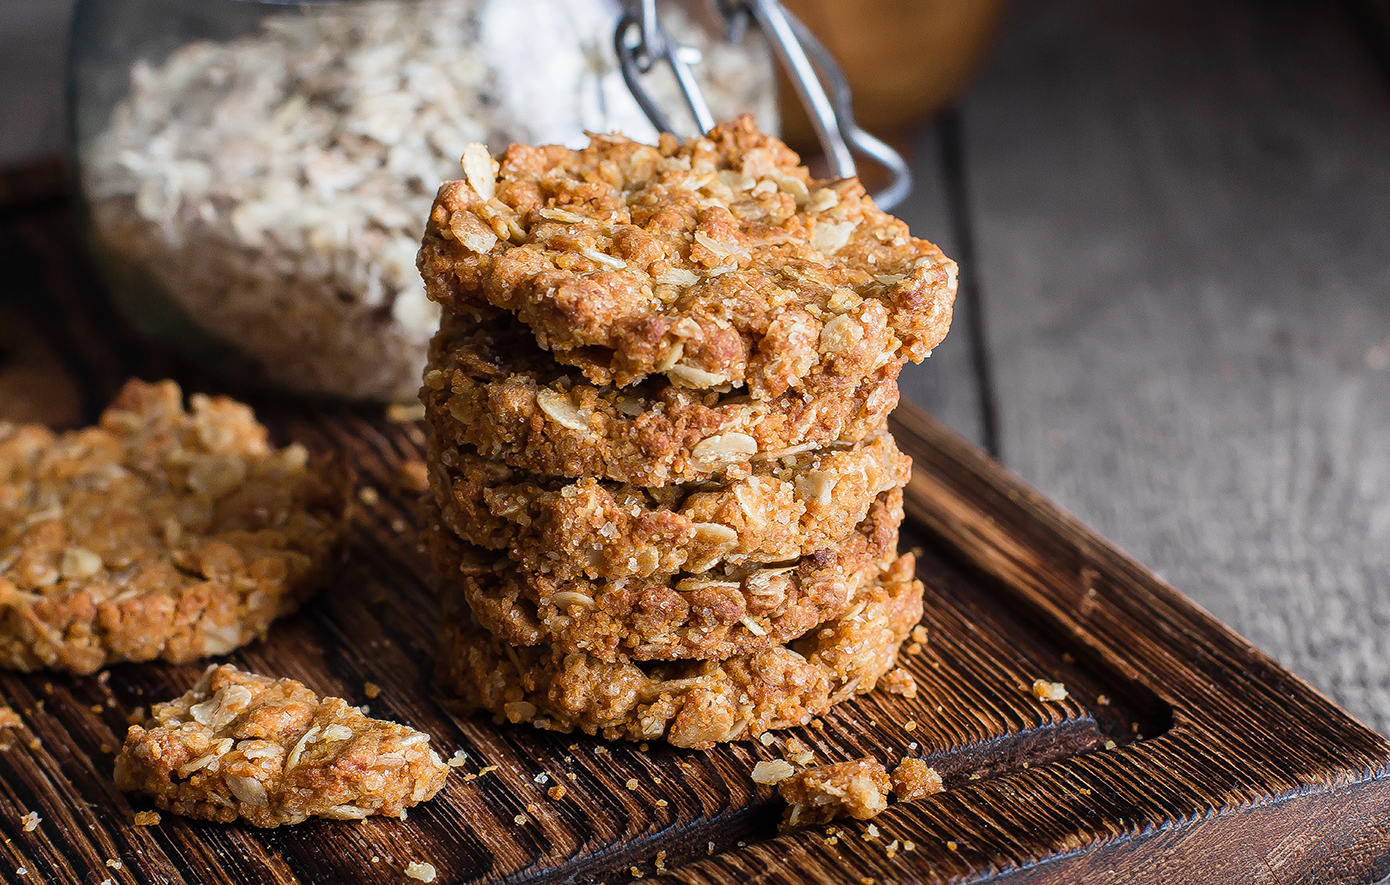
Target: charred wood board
<point>1182,754</point>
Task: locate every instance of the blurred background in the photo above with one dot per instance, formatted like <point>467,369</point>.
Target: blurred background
<point>1173,221</point>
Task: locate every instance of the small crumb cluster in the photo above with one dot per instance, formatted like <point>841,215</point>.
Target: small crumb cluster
<point>271,752</point>
<point>1049,691</point>
<point>859,788</point>
<point>664,496</point>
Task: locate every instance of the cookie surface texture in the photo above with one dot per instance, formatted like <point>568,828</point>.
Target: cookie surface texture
<point>688,703</point>
<point>714,615</point>
<point>786,508</point>
<point>718,263</point>
<point>159,533</point>
<point>488,386</point>
<point>271,752</point>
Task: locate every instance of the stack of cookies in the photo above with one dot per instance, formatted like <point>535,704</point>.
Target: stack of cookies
<point>664,497</point>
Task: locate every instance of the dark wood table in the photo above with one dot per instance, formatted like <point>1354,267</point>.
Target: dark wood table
<point>1174,224</point>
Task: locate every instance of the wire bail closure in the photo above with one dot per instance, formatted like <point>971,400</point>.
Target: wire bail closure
<point>804,58</point>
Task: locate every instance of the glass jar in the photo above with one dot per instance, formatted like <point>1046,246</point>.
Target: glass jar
<point>257,175</point>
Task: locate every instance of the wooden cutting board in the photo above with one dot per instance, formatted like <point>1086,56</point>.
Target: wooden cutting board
<point>1182,754</point>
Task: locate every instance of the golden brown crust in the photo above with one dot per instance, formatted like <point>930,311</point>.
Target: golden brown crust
<point>572,529</point>
<point>713,616</point>
<point>718,262</point>
<point>158,533</point>
<point>489,387</point>
<point>269,751</point>
<point>689,703</point>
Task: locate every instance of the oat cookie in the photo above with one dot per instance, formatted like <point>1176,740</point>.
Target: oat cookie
<point>715,615</point>
<point>570,529</point>
<point>158,533</point>
<point>718,263</point>
<point>489,387</point>
<point>689,703</point>
<point>271,752</point>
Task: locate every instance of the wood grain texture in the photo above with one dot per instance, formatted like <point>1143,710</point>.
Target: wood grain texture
<point>1182,214</point>
<point>1258,777</point>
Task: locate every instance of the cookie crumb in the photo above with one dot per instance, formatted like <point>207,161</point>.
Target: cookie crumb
<point>858,788</point>
<point>900,682</point>
<point>371,690</point>
<point>421,871</point>
<point>557,792</point>
<point>772,772</point>
<point>661,803</point>
<point>660,862</point>
<point>9,718</point>
<point>520,820</point>
<point>951,846</point>
<point>369,496</point>
<point>115,864</point>
<point>798,753</point>
<point>915,779</point>
<point>1049,691</point>
<point>146,819</point>
<point>31,821</point>
<point>458,759</point>
<point>631,783</point>
<point>919,634</point>
<point>1102,700</point>
<point>767,739</point>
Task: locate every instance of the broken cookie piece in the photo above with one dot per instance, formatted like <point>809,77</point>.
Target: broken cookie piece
<point>271,752</point>
<point>915,779</point>
<point>858,789</point>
